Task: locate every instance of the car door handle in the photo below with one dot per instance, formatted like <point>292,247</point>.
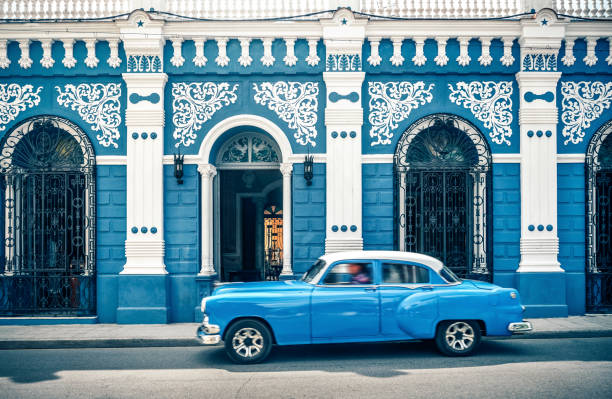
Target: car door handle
<point>371,289</point>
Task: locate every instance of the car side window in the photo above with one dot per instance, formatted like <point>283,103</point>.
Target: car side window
<point>349,273</point>
<point>403,273</point>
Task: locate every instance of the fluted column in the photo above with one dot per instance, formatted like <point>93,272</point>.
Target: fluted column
<point>207,174</point>
<point>287,169</point>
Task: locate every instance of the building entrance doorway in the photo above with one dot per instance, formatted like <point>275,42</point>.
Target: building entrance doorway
<point>249,209</point>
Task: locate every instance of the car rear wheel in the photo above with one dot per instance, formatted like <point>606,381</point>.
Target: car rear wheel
<point>458,338</point>
<point>248,341</point>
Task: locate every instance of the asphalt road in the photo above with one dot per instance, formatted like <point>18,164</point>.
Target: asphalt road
<point>523,368</point>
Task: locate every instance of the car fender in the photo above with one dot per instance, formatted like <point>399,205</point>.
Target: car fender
<point>417,314</point>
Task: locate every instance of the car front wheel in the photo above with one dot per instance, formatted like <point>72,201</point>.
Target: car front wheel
<point>458,338</point>
<point>248,341</point>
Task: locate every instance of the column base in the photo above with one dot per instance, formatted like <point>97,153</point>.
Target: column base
<point>543,294</point>
<point>205,284</point>
<point>142,299</point>
<point>346,244</point>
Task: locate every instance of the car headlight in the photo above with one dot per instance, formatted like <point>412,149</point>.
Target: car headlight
<point>203,305</point>
<point>512,295</point>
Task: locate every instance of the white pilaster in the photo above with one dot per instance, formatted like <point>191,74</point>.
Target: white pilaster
<point>207,174</point>
<point>287,169</point>
<point>538,118</point>
<point>343,119</point>
<point>144,119</point>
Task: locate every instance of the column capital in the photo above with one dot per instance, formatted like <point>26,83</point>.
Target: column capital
<point>286,169</point>
<point>207,170</point>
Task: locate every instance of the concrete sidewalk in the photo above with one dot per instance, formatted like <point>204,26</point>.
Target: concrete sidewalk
<point>183,334</point>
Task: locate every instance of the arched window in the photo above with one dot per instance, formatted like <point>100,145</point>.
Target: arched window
<point>47,168</point>
<point>599,220</point>
<point>442,166</point>
<point>249,148</point>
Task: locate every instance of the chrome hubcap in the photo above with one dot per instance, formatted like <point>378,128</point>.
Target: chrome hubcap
<point>248,342</point>
<point>460,336</point>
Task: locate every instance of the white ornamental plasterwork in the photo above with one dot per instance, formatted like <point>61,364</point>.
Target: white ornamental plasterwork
<point>15,98</point>
<point>583,102</point>
<point>195,103</point>
<point>391,103</point>
<point>97,104</point>
<point>295,103</point>
<point>490,103</point>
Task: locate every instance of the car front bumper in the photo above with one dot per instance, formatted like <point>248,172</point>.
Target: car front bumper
<point>208,334</point>
<point>521,327</point>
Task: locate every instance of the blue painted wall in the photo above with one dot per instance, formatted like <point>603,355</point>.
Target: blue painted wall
<point>308,217</point>
<point>111,235</point>
<point>506,222</point>
<point>377,216</point>
<point>182,235</point>
<point>572,234</point>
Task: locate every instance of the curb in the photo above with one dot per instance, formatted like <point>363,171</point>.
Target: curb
<point>185,342</point>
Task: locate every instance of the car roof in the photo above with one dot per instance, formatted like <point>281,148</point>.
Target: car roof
<point>426,260</point>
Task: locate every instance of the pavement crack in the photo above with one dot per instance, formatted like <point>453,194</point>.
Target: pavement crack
<point>242,386</point>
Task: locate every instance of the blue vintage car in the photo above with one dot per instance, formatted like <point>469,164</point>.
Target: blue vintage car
<point>360,296</point>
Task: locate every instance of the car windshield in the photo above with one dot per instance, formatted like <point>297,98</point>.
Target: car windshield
<point>313,271</point>
<point>448,275</point>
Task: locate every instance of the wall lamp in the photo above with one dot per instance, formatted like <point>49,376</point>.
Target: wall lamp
<point>308,165</point>
<point>178,167</point>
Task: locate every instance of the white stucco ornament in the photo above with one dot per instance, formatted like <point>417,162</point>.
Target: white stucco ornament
<point>15,98</point>
<point>582,103</point>
<point>391,103</point>
<point>195,103</point>
<point>295,103</point>
<point>490,102</point>
<point>97,104</point>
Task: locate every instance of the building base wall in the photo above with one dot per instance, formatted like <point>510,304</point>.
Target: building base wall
<point>543,294</point>
<point>143,299</point>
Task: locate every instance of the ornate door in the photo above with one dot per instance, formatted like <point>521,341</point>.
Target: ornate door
<point>442,171</point>
<point>48,187</point>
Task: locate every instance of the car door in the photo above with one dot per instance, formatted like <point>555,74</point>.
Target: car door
<point>345,303</point>
<point>399,281</point>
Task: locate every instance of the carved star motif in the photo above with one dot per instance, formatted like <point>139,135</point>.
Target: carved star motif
<point>344,21</point>
<point>140,23</point>
<point>544,22</point>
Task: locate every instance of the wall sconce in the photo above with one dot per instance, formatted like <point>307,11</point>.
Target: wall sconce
<point>308,160</point>
<point>178,167</point>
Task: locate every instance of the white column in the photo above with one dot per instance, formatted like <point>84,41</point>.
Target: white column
<point>145,246</point>
<point>286,169</point>
<point>207,174</point>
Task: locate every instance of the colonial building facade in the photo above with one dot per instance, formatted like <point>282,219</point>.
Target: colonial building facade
<point>147,155</point>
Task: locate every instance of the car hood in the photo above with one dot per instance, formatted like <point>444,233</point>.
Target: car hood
<point>482,285</point>
<point>261,286</point>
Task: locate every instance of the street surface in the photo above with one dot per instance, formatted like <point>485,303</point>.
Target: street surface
<point>517,368</point>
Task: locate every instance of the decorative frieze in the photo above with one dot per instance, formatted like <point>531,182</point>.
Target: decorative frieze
<point>144,63</point>
<point>343,63</point>
<point>98,105</point>
<point>69,61</point>
<point>91,60</point>
<point>295,103</point>
<point>391,103</point>
<point>267,59</point>
<point>290,59</point>
<point>490,102</point>
<point>14,99</point>
<point>539,61</point>
<point>25,61</point>
<point>47,60</point>
<point>222,59</point>
<point>177,59</point>
<point>569,59</point>
<point>582,103</point>
<point>441,59</point>
<point>195,103</point>
<point>199,60</point>
<point>312,59</point>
